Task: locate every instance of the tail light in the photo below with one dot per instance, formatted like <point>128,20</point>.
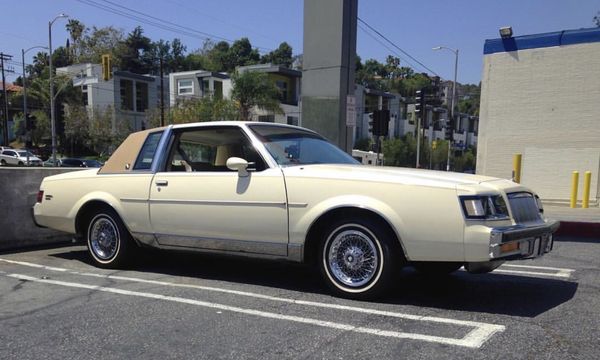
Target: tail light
<point>40,196</point>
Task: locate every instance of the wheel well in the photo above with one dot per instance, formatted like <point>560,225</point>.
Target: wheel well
<point>313,237</point>
<point>84,214</point>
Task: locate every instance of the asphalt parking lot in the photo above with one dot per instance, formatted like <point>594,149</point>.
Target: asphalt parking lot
<point>55,305</point>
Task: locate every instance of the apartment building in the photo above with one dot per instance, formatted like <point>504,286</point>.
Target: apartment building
<point>127,95</point>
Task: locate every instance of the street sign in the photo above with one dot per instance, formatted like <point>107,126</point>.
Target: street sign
<point>350,110</point>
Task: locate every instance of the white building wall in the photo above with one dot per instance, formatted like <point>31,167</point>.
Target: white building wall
<point>543,103</point>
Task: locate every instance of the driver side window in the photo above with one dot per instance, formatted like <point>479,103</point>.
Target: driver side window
<point>207,149</point>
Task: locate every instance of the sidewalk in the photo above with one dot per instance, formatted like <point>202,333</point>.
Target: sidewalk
<point>576,222</point>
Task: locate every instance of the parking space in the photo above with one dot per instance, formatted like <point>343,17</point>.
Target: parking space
<point>172,305</point>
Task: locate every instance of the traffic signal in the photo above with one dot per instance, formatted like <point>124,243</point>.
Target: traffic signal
<point>420,102</point>
<point>381,121</point>
<point>376,124</point>
<point>449,134</point>
<point>106,67</point>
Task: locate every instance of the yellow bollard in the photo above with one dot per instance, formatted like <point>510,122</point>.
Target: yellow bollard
<point>574,183</point>
<point>517,168</point>
<point>587,179</point>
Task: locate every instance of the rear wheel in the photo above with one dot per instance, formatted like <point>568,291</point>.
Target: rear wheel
<point>2,162</point>
<point>109,242</point>
<point>358,258</point>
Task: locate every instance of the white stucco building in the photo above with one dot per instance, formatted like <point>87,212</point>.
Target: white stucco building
<point>541,98</point>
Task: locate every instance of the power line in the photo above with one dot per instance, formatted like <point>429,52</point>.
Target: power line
<point>154,21</point>
<point>166,22</point>
<point>385,46</point>
<point>397,47</point>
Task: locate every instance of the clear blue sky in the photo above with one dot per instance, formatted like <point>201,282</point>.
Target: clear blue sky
<point>415,26</point>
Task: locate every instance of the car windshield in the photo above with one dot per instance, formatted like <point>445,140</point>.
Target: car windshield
<point>25,153</point>
<point>290,146</point>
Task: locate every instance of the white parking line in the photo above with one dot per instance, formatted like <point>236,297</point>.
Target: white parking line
<point>473,339</point>
<point>555,272</point>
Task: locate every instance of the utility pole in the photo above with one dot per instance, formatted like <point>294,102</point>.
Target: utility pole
<point>5,120</point>
<point>162,94</point>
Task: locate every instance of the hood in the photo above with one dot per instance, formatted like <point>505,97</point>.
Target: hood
<point>405,176</point>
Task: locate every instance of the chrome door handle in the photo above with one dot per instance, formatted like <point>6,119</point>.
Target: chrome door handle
<point>162,182</point>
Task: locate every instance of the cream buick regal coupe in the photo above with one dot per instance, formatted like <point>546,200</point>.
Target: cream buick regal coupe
<point>284,192</point>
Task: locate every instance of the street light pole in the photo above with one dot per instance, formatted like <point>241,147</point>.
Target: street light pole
<point>52,117</point>
<point>455,51</point>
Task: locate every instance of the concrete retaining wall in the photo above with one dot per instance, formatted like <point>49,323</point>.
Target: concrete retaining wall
<point>18,191</point>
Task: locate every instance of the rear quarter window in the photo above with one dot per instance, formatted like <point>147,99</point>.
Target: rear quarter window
<point>148,152</point>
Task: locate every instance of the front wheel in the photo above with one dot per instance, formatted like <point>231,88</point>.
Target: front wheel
<point>108,241</point>
<point>358,258</point>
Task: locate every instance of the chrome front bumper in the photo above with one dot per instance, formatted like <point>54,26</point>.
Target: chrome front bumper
<point>522,241</point>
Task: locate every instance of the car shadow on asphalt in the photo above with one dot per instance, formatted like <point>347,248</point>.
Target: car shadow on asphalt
<point>492,293</point>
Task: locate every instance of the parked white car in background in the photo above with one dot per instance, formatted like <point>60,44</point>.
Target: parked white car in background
<point>19,158</point>
<point>277,191</point>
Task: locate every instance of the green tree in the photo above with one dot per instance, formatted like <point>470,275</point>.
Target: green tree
<point>400,151</point>
<point>219,58</point>
<point>197,110</point>
<point>40,134</point>
<point>252,88</point>
<point>76,31</point>
<point>99,41</point>
<point>104,137</point>
<point>280,56</point>
<point>136,52</point>
<point>597,19</point>
<point>242,54</point>
<point>77,127</point>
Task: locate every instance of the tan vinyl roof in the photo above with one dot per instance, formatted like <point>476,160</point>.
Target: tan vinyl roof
<point>123,159</point>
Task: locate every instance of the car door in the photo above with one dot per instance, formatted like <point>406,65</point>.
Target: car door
<point>197,202</point>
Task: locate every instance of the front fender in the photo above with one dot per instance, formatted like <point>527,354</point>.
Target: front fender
<point>301,222</point>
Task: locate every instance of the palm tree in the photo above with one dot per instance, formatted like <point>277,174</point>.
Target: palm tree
<point>76,31</point>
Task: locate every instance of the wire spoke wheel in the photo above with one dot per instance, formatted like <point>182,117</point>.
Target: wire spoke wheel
<point>104,237</point>
<point>109,242</point>
<point>352,258</point>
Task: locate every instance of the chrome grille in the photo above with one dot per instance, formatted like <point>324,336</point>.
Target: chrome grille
<point>524,207</point>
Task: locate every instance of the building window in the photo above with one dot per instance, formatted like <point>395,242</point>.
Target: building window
<point>266,118</point>
<point>84,95</point>
<point>185,87</point>
<point>218,93</point>
<point>292,120</point>
<point>126,95</point>
<point>205,87</point>
<point>283,90</point>
<point>141,96</point>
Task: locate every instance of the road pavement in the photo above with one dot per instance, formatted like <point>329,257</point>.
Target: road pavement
<point>54,304</point>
